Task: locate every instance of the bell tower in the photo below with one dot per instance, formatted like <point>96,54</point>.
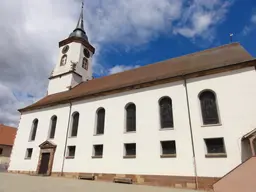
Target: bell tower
<point>74,63</point>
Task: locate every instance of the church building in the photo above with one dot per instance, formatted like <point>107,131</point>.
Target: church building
<point>183,122</point>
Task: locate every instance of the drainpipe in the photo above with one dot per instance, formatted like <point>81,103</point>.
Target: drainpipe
<point>65,146</point>
<point>191,132</point>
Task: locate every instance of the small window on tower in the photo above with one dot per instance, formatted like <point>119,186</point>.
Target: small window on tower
<point>85,63</point>
<point>63,60</point>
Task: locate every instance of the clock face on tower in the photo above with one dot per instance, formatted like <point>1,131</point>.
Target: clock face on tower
<point>86,53</point>
<point>65,49</point>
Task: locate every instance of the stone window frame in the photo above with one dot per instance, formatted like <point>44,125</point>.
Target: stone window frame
<point>164,124</point>
<point>130,120</point>
<point>68,156</point>
<point>73,132</point>
<point>33,132</point>
<point>201,110</point>
<point>168,155</point>
<point>129,156</point>
<point>217,154</point>
<point>95,154</point>
<point>51,127</point>
<point>29,153</point>
<point>100,121</point>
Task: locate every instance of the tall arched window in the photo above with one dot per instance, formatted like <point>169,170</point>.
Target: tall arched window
<point>131,117</point>
<point>100,121</point>
<point>53,126</point>
<point>33,130</point>
<point>209,108</point>
<point>75,122</point>
<point>166,114</point>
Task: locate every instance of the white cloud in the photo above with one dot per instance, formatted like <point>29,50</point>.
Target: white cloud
<point>31,29</point>
<point>201,17</point>
<point>121,68</point>
<point>253,19</point>
<point>251,26</point>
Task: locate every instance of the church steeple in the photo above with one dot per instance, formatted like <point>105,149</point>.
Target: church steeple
<point>79,30</point>
<point>74,64</point>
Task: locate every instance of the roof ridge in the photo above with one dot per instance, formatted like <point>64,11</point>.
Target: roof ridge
<point>223,56</point>
<point>150,64</point>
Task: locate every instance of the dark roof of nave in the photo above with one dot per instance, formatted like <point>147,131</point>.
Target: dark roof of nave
<point>215,58</point>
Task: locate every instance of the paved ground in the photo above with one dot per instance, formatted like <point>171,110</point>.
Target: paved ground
<point>25,183</point>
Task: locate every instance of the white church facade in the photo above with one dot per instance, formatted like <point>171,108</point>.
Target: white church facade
<point>180,122</point>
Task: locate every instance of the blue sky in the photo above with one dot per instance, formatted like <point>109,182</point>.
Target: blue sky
<point>237,19</point>
<point>126,35</point>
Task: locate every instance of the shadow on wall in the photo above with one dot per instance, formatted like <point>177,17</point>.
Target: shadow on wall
<point>246,151</point>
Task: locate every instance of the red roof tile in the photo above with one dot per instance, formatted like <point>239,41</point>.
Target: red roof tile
<point>201,61</point>
<point>7,135</point>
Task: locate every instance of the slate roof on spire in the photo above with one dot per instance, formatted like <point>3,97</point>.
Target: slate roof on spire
<point>79,30</point>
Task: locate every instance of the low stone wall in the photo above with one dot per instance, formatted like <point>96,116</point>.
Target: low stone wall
<point>204,183</point>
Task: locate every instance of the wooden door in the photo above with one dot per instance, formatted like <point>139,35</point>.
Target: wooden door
<point>44,163</point>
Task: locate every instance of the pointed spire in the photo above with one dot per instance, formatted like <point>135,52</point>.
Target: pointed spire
<point>80,23</point>
<point>79,30</point>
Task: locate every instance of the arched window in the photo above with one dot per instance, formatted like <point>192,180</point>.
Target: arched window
<point>209,108</point>
<point>75,122</point>
<point>63,60</point>
<point>34,129</point>
<point>85,63</point>
<point>131,117</point>
<point>166,115</point>
<point>100,121</point>
<point>53,126</point>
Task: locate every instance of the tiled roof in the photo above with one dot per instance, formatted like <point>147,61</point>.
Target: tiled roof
<point>201,61</point>
<point>7,135</point>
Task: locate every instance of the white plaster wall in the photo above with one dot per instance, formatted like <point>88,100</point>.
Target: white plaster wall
<point>147,137</point>
<point>236,100</point>
<point>236,95</point>
<point>86,74</point>
<point>60,84</point>
<point>18,161</point>
<point>74,54</point>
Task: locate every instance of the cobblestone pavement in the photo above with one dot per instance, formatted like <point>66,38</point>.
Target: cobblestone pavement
<point>26,183</point>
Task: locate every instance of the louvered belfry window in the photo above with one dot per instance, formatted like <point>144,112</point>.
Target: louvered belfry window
<point>209,108</point>
<point>131,117</point>
<point>75,124</point>
<point>100,121</point>
<point>166,114</point>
